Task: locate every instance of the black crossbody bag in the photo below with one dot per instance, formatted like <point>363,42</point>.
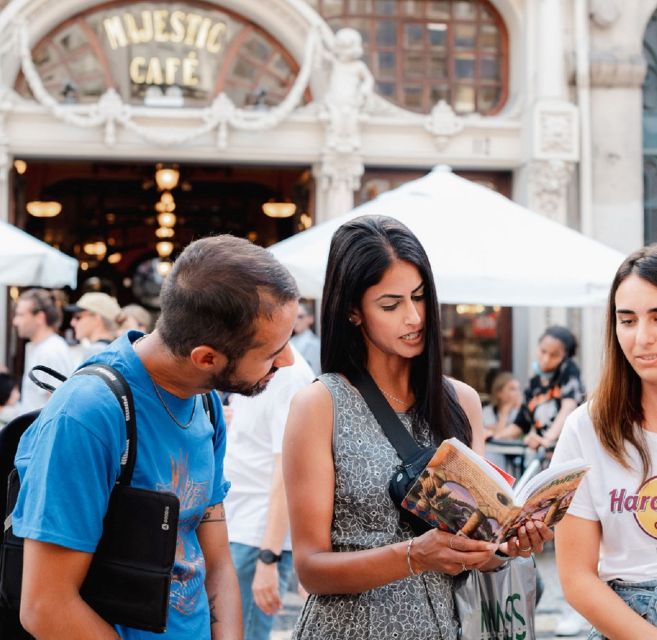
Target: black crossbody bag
<point>414,457</point>
<point>130,575</point>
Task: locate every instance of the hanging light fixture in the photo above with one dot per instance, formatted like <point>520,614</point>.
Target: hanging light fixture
<point>44,209</point>
<point>279,209</point>
<point>166,178</point>
<point>165,232</point>
<point>164,248</point>
<point>166,219</point>
<point>164,267</point>
<point>95,248</point>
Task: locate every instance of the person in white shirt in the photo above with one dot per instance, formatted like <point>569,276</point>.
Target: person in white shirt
<point>256,509</point>
<point>37,317</point>
<point>304,339</point>
<point>607,543</point>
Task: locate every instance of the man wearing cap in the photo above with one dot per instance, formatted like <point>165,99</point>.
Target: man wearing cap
<point>95,321</point>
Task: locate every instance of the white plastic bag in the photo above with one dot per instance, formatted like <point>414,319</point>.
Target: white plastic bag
<point>498,605</point>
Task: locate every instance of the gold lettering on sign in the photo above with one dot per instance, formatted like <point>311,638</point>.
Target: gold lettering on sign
<point>178,26</point>
<point>137,72</point>
<point>190,65</point>
<point>194,30</point>
<point>160,19</point>
<point>215,37</point>
<point>160,25</point>
<point>193,22</point>
<point>171,66</point>
<point>115,33</point>
<point>154,72</point>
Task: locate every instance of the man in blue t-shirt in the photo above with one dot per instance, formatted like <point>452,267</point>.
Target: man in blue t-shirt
<point>227,313</point>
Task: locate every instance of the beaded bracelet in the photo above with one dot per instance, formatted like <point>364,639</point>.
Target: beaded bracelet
<point>409,546</point>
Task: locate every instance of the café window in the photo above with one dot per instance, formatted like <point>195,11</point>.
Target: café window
<point>163,54</point>
<point>423,51</point>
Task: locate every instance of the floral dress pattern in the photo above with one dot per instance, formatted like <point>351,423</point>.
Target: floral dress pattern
<point>413,608</point>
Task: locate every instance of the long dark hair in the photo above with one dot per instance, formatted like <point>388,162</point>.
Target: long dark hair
<point>361,251</point>
<point>616,404</point>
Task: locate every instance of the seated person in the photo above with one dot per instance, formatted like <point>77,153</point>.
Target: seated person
<point>553,392</point>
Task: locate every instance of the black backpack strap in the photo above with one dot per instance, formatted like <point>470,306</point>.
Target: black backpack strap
<point>208,407</point>
<point>121,390</point>
<point>392,426</point>
<point>51,372</point>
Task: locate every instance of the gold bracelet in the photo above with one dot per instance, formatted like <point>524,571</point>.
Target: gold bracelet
<point>409,546</point>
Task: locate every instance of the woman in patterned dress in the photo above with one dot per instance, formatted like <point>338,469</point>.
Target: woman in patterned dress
<point>368,576</point>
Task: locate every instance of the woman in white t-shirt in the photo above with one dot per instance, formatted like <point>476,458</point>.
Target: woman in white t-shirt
<point>607,543</point>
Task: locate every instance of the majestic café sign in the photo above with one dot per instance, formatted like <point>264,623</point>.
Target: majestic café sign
<point>175,41</point>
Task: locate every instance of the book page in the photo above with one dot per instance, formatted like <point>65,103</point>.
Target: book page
<point>550,498</point>
<point>459,491</point>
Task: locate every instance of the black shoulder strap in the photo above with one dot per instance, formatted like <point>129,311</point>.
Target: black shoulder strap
<point>50,372</point>
<point>208,407</point>
<point>392,426</point>
<point>117,383</point>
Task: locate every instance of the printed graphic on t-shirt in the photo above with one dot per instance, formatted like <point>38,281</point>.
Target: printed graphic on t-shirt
<point>643,505</point>
<point>188,571</point>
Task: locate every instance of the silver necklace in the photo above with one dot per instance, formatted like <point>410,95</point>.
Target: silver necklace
<point>397,400</point>
<point>169,412</point>
<point>161,399</point>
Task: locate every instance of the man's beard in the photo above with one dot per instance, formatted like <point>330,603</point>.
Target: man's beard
<point>225,381</point>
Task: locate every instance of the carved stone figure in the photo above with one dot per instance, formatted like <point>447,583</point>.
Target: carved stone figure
<point>350,87</point>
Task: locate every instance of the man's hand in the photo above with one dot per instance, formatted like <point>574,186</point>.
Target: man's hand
<point>265,588</point>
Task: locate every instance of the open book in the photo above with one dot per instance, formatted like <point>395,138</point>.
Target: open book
<point>459,491</point>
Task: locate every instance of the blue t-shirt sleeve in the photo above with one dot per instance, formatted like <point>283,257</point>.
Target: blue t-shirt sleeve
<point>68,465</point>
<point>221,485</point>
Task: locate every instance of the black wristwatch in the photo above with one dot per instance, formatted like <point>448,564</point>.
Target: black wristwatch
<point>268,556</point>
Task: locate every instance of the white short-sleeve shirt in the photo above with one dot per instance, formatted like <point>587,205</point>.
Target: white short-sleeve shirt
<point>616,497</point>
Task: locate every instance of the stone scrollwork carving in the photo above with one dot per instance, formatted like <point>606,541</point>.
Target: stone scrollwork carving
<point>443,124</point>
<point>111,111</point>
<point>556,131</point>
<point>349,93</point>
<point>548,182</point>
<point>604,12</point>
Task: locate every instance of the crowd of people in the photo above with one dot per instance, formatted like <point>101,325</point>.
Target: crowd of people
<point>296,467</point>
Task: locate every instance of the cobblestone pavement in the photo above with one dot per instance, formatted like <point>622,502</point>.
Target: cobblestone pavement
<point>547,615</point>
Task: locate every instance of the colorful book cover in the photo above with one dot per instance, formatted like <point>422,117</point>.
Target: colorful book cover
<point>459,491</point>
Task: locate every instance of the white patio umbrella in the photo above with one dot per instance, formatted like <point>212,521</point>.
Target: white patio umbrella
<point>483,247</point>
<point>26,261</point>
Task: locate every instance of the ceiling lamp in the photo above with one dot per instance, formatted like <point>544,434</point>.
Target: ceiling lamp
<point>166,178</point>
<point>166,219</point>
<point>275,209</point>
<point>164,248</point>
<point>164,268</point>
<point>95,248</point>
<point>166,203</point>
<point>40,209</point>
<point>164,232</point>
<point>115,258</point>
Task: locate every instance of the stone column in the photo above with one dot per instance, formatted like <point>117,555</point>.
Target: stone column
<point>338,176</point>
<point>552,142</point>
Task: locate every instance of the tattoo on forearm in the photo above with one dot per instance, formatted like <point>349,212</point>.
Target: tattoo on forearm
<point>210,516</point>
<point>213,616</point>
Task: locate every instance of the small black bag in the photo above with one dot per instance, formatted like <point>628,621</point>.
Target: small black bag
<point>414,457</point>
<point>129,578</point>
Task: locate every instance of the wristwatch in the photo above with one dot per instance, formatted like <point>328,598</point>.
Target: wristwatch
<point>268,556</point>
